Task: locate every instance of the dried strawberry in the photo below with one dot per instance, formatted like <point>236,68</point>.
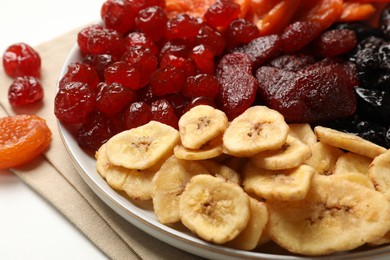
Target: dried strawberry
<point>137,114</point>
<point>118,15</point>
<point>299,34</point>
<point>261,49</point>
<point>334,42</point>
<point>73,102</point>
<point>234,62</point>
<point>25,90</point>
<point>21,59</point>
<point>292,62</point>
<point>163,111</point>
<point>114,98</point>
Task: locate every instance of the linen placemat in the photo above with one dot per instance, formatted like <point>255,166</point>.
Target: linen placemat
<point>54,177</point>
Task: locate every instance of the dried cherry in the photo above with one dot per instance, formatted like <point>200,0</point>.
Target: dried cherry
<point>80,72</point>
<point>21,59</point>
<point>201,85</point>
<point>123,73</point>
<point>152,21</point>
<point>118,15</point>
<point>164,112</point>
<point>25,90</point>
<point>137,114</point>
<point>167,80</point>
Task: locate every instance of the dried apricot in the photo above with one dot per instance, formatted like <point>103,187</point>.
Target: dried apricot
<point>23,137</point>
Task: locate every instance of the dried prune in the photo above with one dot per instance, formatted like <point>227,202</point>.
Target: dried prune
<point>374,104</point>
<point>385,21</point>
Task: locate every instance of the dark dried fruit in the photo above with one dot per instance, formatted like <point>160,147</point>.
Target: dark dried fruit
<point>292,62</point>
<point>299,34</point>
<point>334,42</point>
<point>374,104</point>
<point>385,22</point>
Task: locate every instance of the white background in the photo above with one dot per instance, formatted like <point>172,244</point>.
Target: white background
<point>30,228</point>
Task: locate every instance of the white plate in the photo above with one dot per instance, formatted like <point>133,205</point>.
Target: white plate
<point>144,218</point>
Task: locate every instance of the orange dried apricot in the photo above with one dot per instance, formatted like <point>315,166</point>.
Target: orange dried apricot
<point>22,138</point>
<point>354,11</point>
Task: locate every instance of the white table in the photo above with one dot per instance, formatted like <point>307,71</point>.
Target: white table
<point>30,228</point>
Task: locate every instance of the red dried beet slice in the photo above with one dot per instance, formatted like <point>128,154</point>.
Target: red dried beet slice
<point>164,112</point>
<point>261,49</point>
<point>334,42</point>
<point>292,62</point>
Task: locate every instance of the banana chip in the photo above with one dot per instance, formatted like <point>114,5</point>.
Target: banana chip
<point>214,209</point>
<point>303,132</point>
<point>379,173</point>
<point>336,215</point>
<point>323,158</point>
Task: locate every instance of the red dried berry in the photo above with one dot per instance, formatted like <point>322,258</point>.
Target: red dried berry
<point>163,112</point>
<point>152,21</point>
<point>25,90</point>
<point>201,85</point>
<point>334,42</point>
<point>167,80</point>
<point>239,32</point>
<point>80,72</point>
<point>211,39</point>
<point>221,13</point>
<point>145,94</point>
<point>179,103</point>
<point>138,5</point>
<point>113,98</point>
<point>83,35</point>
<point>203,58</point>
<point>200,101</point>
<point>73,102</point>
<point>20,59</point>
<point>105,41</point>
<point>140,39</point>
<point>124,74</point>
<point>143,60</point>
<point>183,26</point>
<point>118,15</point>
<point>100,63</point>
<point>177,47</point>
<point>95,131</point>
<point>185,64</point>
<point>137,114</point>
<point>261,49</point>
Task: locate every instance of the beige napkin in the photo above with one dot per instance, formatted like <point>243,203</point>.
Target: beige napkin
<point>54,177</point>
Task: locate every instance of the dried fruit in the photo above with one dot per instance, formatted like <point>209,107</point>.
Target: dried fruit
<point>23,138</point>
<point>118,15</point>
<point>137,114</point>
<point>21,59</point>
<point>25,90</point>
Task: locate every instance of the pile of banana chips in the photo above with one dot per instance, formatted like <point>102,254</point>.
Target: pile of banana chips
<point>256,179</point>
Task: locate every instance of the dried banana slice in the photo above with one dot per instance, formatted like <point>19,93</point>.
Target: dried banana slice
<point>142,147</point>
<point>136,183</point>
<point>303,132</point>
<point>354,167</point>
<point>348,142</point>
<point>249,238</point>
<point>211,149</point>
<point>214,209</point>
<point>289,185</point>
<point>256,130</point>
<point>292,154</point>
<point>336,215</point>
<point>200,125</point>
<point>168,185</point>
<point>221,170</point>
<point>379,173</point>
<point>323,158</point>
